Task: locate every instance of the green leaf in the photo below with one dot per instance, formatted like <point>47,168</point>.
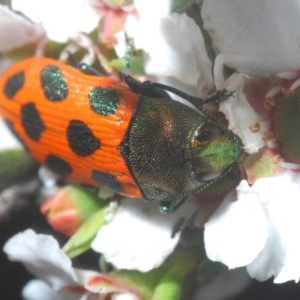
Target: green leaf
<point>180,5</point>
<point>81,241</point>
<point>170,286</point>
<point>87,201</point>
<point>136,64</point>
<point>165,282</point>
<point>15,165</point>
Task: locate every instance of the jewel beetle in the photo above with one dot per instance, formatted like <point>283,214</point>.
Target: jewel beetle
<point>125,134</point>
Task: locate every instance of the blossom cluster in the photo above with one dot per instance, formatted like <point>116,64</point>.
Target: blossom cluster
<point>248,47</point>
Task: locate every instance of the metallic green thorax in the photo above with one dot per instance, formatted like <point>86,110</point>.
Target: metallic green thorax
<point>174,151</point>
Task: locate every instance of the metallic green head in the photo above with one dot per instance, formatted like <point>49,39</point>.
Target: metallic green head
<point>213,150</point>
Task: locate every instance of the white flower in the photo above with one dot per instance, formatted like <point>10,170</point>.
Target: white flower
<point>42,256</point>
<point>173,44</point>
<point>34,251</point>
<point>139,237</point>
<point>61,18</point>
<point>238,231</point>
<point>255,37</point>
<point>16,31</point>
<point>37,289</point>
<point>260,229</point>
<point>241,116</point>
<point>7,141</point>
<point>257,226</point>
<point>281,202</point>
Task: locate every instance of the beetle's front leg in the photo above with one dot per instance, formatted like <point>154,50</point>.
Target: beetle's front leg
<point>142,88</point>
<point>169,206</point>
<point>218,97</point>
<point>215,98</point>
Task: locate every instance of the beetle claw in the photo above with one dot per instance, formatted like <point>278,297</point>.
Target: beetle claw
<point>218,97</point>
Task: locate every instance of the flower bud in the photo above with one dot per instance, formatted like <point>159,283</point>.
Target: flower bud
<point>70,207</point>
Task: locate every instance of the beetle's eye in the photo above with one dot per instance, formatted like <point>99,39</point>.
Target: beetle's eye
<point>208,132</point>
<point>207,152</point>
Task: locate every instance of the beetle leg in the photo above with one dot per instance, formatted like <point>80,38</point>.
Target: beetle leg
<point>218,97</point>
<point>225,173</point>
<point>135,85</point>
<point>167,207</point>
<point>139,88</point>
<point>177,226</point>
<point>87,69</point>
<point>215,98</point>
<point>83,67</point>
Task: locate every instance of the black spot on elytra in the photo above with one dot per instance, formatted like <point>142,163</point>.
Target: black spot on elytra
<point>31,121</point>
<point>81,139</point>
<point>107,179</point>
<point>13,84</point>
<point>53,83</point>
<point>58,165</point>
<point>11,127</point>
<point>104,101</point>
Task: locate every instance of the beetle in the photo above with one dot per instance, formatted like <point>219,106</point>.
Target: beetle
<point>128,135</point>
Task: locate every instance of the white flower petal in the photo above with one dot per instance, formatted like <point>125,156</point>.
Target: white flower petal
<point>42,257</point>
<point>242,116</point>
<point>138,26</point>
<point>255,37</point>
<point>7,141</point>
<point>176,47</point>
<point>38,289</point>
<point>281,256</point>
<point>139,236</point>
<point>61,19</point>
<point>125,296</point>
<point>237,231</point>
<point>152,10</point>
<point>16,31</point>
<point>178,51</point>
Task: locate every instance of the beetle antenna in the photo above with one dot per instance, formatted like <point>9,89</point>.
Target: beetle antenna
<point>128,52</point>
<point>215,98</point>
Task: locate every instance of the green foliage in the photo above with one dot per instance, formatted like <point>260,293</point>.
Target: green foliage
<point>15,165</point>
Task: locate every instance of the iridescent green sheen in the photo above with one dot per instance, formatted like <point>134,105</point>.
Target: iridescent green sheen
<point>173,151</point>
<point>156,148</point>
<point>104,101</point>
<point>53,83</point>
<point>216,152</point>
